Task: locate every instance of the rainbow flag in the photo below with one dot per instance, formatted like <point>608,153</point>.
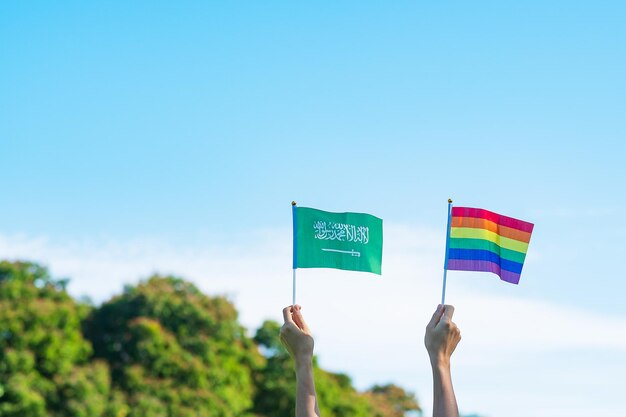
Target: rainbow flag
<point>480,240</point>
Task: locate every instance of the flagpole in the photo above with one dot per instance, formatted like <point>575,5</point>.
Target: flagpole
<point>294,288</point>
<point>295,250</point>
<point>445,262</point>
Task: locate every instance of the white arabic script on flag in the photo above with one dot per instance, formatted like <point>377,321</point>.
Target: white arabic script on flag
<point>341,232</point>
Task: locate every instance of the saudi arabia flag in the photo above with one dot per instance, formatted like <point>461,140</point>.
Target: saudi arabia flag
<point>350,241</point>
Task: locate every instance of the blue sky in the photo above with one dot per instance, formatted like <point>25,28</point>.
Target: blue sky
<point>188,128</point>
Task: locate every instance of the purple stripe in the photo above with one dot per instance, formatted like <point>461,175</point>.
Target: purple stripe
<point>485,266</point>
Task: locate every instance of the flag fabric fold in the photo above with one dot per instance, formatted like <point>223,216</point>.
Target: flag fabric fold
<point>481,240</point>
<point>349,241</point>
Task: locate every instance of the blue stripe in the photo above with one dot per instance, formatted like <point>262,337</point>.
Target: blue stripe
<point>485,255</point>
<point>295,236</point>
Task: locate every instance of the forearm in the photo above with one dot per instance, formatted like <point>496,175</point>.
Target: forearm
<point>444,401</point>
<point>306,398</point>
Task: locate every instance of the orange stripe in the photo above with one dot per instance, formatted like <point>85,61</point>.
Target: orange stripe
<point>504,231</point>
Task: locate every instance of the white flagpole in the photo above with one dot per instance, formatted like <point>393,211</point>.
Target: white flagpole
<point>445,263</point>
<point>295,250</point>
<point>294,287</point>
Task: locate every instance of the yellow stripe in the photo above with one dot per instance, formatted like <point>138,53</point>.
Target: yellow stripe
<point>503,242</point>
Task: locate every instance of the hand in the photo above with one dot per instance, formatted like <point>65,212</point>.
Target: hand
<point>295,334</point>
<point>442,336</point>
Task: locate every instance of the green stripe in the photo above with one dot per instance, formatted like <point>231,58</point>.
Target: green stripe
<point>511,255</point>
<point>478,233</point>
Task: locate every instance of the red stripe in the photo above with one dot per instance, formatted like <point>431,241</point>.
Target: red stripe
<point>494,217</point>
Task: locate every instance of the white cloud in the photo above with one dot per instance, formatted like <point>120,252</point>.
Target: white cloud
<point>368,326</point>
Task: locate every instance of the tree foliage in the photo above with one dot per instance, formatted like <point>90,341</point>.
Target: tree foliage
<point>175,351</point>
<point>391,401</point>
<point>161,348</point>
<point>45,362</point>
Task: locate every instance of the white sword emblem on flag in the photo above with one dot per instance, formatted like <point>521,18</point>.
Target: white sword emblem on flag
<point>351,252</point>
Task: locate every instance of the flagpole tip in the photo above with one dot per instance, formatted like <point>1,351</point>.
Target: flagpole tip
<point>449,201</point>
<point>293,203</point>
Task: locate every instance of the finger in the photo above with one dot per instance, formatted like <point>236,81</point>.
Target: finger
<point>287,314</point>
<point>436,316</point>
<point>448,312</point>
<point>299,319</point>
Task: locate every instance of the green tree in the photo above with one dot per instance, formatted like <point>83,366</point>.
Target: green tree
<point>391,401</point>
<point>275,396</point>
<point>174,351</point>
<point>45,367</point>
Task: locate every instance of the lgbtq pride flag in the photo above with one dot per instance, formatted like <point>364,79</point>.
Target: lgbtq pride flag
<point>480,240</point>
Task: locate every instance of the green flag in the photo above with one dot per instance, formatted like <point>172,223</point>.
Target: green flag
<point>351,241</point>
